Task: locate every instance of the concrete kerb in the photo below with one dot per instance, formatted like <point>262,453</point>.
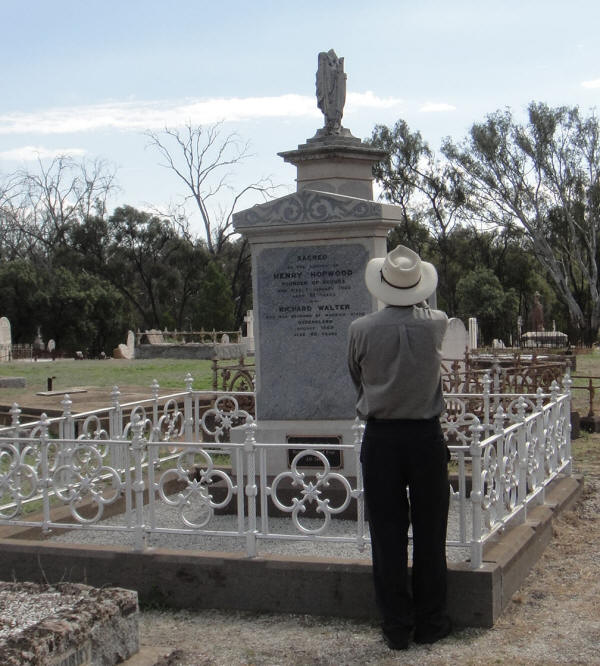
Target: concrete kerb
<point>343,588</point>
<point>90,626</point>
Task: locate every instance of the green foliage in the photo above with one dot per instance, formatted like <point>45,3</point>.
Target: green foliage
<point>480,294</point>
<point>214,303</point>
<point>544,176</point>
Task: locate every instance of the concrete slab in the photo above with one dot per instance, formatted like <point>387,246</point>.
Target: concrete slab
<point>12,382</point>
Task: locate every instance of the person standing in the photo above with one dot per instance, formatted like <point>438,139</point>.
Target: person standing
<point>394,358</point>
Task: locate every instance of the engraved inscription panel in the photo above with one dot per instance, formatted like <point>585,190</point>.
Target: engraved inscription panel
<point>308,297</point>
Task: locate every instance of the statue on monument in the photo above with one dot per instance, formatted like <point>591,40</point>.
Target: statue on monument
<point>331,90</point>
<point>537,314</point>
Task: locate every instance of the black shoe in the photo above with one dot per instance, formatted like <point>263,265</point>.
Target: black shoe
<point>396,640</point>
<point>433,633</point>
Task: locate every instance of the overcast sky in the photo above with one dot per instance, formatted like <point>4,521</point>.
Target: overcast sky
<point>87,77</point>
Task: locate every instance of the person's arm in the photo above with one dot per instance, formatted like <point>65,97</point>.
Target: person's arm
<point>353,364</point>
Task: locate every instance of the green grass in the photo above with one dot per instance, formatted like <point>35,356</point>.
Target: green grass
<point>68,374</point>
<point>169,373</point>
<point>588,365</point>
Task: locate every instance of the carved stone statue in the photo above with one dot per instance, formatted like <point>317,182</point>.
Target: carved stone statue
<point>331,90</point>
<point>537,314</point>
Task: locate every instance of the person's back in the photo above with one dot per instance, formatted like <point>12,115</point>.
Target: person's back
<point>394,358</point>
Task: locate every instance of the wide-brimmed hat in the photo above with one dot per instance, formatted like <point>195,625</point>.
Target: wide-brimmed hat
<point>401,278</point>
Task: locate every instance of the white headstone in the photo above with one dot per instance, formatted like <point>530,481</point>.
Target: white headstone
<point>122,352</point>
<point>455,341</point>
<point>5,340</point>
<point>249,338</point>
<point>5,334</point>
<point>154,337</point>
<point>473,333</point>
<point>51,346</point>
<point>249,320</point>
<point>224,339</point>
<point>131,343</point>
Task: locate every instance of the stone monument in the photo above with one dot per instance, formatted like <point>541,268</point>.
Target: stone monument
<point>309,251</point>
<point>456,341</point>
<point>126,351</point>
<point>5,340</point>
<point>38,345</point>
<point>473,333</point>
<point>538,336</point>
<point>536,319</point>
<point>248,339</point>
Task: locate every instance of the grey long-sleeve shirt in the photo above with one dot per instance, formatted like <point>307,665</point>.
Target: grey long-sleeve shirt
<point>394,358</point>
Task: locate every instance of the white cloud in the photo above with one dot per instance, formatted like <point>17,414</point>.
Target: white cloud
<point>370,100</point>
<point>594,83</point>
<point>432,107</point>
<point>155,115</point>
<point>32,153</point>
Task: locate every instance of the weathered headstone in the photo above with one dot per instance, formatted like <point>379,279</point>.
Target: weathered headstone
<point>5,340</point>
<point>473,333</point>
<point>249,321</point>
<point>248,339</point>
<point>154,337</point>
<point>309,252</point>
<point>456,340</point>
<point>38,345</point>
<point>126,351</point>
<point>309,294</point>
<point>131,344</point>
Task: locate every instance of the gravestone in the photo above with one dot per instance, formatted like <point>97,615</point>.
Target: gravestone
<point>38,345</point>
<point>309,295</point>
<point>309,252</point>
<point>131,344</point>
<point>456,341</point>
<point>126,351</point>
<point>154,337</point>
<point>5,340</point>
<point>248,339</point>
<point>473,333</point>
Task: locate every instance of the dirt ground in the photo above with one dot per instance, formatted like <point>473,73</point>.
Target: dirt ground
<point>553,619</point>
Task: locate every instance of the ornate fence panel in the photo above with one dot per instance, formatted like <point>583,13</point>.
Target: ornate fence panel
<point>173,453</point>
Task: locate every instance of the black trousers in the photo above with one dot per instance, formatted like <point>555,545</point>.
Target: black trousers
<point>405,473</point>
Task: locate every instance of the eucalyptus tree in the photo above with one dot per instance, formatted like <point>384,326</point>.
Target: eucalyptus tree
<point>544,176</point>
<point>427,190</point>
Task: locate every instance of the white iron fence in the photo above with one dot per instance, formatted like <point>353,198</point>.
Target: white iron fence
<point>173,453</point>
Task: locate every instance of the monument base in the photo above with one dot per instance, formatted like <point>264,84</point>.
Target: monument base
<point>301,435</point>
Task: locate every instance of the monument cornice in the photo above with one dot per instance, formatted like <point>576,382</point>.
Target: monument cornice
<point>331,150</point>
<point>312,207</point>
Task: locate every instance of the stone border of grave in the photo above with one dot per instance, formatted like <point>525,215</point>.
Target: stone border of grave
<point>197,580</point>
<point>69,624</point>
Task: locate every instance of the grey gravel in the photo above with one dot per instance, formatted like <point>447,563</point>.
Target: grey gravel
<point>167,518</point>
<point>20,609</point>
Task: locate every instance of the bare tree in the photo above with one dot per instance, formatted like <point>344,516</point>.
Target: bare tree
<point>203,159</point>
<point>38,207</point>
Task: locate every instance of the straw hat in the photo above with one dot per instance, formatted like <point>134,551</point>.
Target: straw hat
<point>401,278</point>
